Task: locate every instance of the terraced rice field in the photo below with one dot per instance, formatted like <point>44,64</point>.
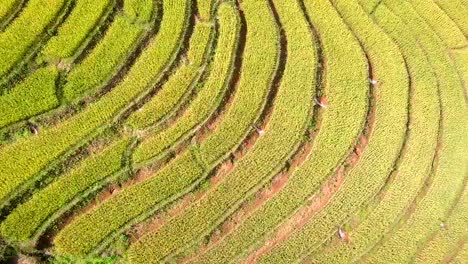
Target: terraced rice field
<point>233,131</point>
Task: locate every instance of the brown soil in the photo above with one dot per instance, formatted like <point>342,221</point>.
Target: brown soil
<point>319,200</point>
<point>299,219</point>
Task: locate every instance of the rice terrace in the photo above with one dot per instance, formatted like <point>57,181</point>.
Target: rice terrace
<point>233,131</point>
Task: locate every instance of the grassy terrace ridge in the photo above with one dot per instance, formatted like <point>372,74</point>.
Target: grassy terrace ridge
<point>384,144</point>
<point>324,158</point>
<point>45,203</point>
<point>205,9</point>
<point>25,30</point>
<point>179,83</point>
<point>22,160</point>
<point>233,131</point>
<point>173,178</point>
<point>139,10</point>
<point>450,169</point>
<point>286,127</point>
<point>446,241</point>
<point>6,8</point>
<point>369,5</point>
<point>442,25</point>
<point>461,256</point>
<point>83,18</point>
<point>457,13</point>
<point>34,95</point>
<point>421,141</point>
<point>104,61</point>
<point>460,57</point>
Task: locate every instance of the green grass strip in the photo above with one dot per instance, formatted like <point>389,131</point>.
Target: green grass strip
<point>345,113</point>
<point>139,10</point>
<point>103,61</point>
<point>178,84</point>
<point>438,20</point>
<point>457,12</point>
<point>446,241</point>
<point>83,235</point>
<point>23,222</point>
<point>34,95</point>
<point>71,34</point>
<point>22,160</point>
<point>377,159</point>
<point>421,141</point>
<point>25,30</point>
<point>451,168</point>
<point>283,134</point>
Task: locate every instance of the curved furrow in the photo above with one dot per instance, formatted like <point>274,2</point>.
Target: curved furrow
<point>302,57</point>
<point>168,181</point>
<point>104,66</point>
<point>462,255</point>
<point>254,228</point>
<point>448,240</point>
<point>250,172</point>
<point>444,190</point>
<point>205,9</point>
<point>385,143</point>
<point>27,33</point>
<point>76,29</point>
<point>112,57</point>
<point>457,12</point>
<point>460,58</point>
<point>369,6</point>
<point>9,10</point>
<point>35,95</point>
<point>440,23</point>
<point>179,84</point>
<point>30,155</point>
<point>48,204</point>
<point>410,174</point>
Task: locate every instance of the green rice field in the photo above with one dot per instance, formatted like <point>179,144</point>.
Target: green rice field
<point>233,131</point>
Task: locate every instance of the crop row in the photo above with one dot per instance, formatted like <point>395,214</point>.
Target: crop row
<point>462,254</point>
<point>7,9</point>
<point>23,221</point>
<point>446,241</point>
<point>179,84</point>
<point>25,30</point>
<point>110,54</point>
<point>421,142</point>
<point>282,135</point>
<point>102,63</point>
<point>22,160</point>
<point>376,162</point>
<point>450,168</point>
<point>205,8</point>
<point>34,95</point>
<point>440,23</point>
<point>457,12</point>
<point>347,101</point>
<point>139,11</point>
<point>81,236</point>
<point>76,28</point>
<point>369,5</point>
<point>460,57</point>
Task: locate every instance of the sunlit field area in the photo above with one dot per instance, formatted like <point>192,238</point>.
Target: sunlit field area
<point>233,131</point>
